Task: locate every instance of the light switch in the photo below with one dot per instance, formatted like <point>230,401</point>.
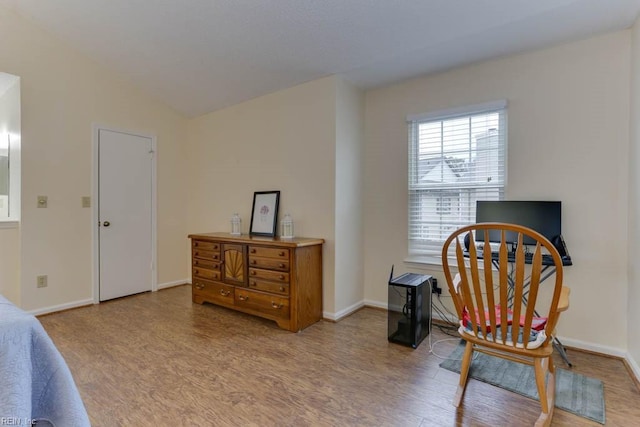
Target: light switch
<point>86,201</point>
<point>41,281</point>
<point>42,201</point>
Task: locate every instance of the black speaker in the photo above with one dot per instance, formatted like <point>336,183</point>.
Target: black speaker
<point>467,241</point>
<point>560,245</point>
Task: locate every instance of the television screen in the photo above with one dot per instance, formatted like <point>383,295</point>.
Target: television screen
<point>543,217</point>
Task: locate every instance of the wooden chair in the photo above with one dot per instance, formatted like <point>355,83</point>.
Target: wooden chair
<point>491,291</point>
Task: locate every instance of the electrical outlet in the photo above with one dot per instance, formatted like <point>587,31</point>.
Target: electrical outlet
<point>42,281</point>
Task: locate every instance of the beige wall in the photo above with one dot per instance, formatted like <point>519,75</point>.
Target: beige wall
<point>63,95</point>
<point>10,264</point>
<point>349,228</point>
<point>568,128</point>
<point>284,141</point>
<point>633,301</point>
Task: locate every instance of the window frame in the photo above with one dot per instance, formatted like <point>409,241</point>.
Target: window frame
<point>421,250</point>
<point>10,124</point>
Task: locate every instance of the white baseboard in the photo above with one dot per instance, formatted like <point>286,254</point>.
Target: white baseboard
<point>593,347</point>
<point>376,304</point>
<point>61,307</point>
<point>577,344</point>
<point>609,351</point>
<point>172,284</point>
<point>90,301</point>
<point>344,312</point>
<point>634,366</point>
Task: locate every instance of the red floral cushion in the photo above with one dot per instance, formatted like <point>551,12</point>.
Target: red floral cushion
<point>537,324</point>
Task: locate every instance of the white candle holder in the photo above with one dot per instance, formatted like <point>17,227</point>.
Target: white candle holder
<point>286,227</point>
<point>236,225</point>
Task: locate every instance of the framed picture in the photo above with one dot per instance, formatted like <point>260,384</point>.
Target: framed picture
<point>264,214</point>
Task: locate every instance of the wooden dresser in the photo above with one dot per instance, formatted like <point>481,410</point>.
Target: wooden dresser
<point>278,279</point>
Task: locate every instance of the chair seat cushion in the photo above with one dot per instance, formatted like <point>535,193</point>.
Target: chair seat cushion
<point>537,323</point>
<point>536,337</point>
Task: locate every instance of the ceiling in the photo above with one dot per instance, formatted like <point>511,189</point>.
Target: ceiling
<point>202,55</point>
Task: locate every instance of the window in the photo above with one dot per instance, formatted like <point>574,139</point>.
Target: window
<point>455,158</point>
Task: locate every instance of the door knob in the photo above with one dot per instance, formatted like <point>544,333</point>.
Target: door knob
<point>106,223</point>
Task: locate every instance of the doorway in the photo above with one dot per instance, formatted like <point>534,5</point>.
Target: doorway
<point>124,213</point>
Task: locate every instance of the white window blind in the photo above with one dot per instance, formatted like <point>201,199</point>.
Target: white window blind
<point>456,157</point>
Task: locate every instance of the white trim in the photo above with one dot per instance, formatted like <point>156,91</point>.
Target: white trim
<point>95,212</point>
<point>154,214</point>
<point>605,350</point>
<point>61,307</point>
<point>95,247</point>
<point>589,346</point>
<point>9,224</point>
<point>459,111</point>
<point>577,344</point>
<point>344,312</point>
<point>376,304</point>
<point>634,366</point>
<point>580,345</point>
<point>422,260</point>
<point>173,283</point>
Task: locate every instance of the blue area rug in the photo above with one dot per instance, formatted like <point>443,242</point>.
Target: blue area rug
<point>575,393</point>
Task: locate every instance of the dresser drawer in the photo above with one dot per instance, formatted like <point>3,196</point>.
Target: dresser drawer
<point>264,285</point>
<point>278,276</point>
<point>277,253</point>
<point>214,291</point>
<point>269,304</point>
<point>270,263</point>
<point>206,263</point>
<point>207,246</point>
<point>205,273</point>
<point>210,255</point>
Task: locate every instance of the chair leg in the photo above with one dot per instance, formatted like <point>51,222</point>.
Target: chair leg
<point>547,393</point>
<point>464,372</point>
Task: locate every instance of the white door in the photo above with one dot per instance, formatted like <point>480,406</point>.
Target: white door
<point>125,236</point>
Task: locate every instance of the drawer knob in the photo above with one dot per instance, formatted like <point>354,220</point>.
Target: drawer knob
<point>196,262</point>
<point>253,273</point>
<point>276,305</point>
<point>252,283</point>
<point>199,286</point>
<point>281,277</point>
<point>224,293</point>
<point>281,265</point>
<point>195,244</point>
<point>281,288</point>
<point>243,298</point>
<point>281,254</point>
<point>253,251</point>
<point>253,261</point>
<point>196,271</point>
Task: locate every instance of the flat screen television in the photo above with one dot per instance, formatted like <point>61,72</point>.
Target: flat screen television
<point>541,216</point>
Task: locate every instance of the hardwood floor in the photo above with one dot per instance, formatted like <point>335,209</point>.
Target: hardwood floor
<point>156,359</point>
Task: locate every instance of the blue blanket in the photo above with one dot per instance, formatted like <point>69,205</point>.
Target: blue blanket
<point>35,382</point>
